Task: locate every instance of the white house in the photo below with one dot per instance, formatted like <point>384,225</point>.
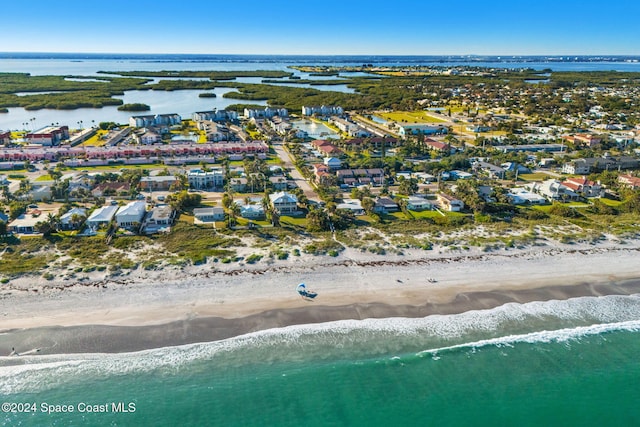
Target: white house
<point>211,214</point>
<point>522,196</point>
<point>203,180</point>
<point>353,205</point>
<point>102,216</point>
<point>415,203</point>
<point>131,215</point>
<point>252,211</point>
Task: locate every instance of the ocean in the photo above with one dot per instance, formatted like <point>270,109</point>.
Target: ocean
<point>555,363</point>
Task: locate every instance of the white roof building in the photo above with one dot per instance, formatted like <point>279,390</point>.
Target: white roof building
<point>131,214</point>
<point>102,216</point>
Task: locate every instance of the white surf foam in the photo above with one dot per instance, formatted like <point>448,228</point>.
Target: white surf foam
<point>340,339</point>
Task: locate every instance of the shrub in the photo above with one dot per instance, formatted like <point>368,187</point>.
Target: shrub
<point>253,258</point>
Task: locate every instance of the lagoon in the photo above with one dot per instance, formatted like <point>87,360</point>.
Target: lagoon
<point>183,102</point>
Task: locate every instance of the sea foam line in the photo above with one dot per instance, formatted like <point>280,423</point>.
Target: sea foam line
<point>288,343</point>
<point>557,336</point>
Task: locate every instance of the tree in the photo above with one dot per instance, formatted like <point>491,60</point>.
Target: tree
<point>317,220</point>
<point>408,187</point>
<point>234,213</point>
<point>227,200</point>
<point>3,229</point>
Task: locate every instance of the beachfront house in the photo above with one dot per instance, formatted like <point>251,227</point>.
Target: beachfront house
<point>24,224</point>
<point>131,215</point>
<point>384,205</point>
<point>208,214</point>
<point>352,205</point>
<point>159,218</point>
<point>522,196</point>
<point>284,203</point>
<point>101,217</point>
<point>584,186</point>
<point>416,203</point>
<point>450,203</point>
<point>73,218</point>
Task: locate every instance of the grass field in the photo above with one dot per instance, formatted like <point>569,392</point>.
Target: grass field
<point>533,176</point>
<point>410,117</point>
<point>95,140</point>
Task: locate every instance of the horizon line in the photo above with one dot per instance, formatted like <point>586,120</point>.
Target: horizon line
<point>506,55</point>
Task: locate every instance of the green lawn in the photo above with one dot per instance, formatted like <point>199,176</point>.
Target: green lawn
<point>540,176</point>
<point>609,202</point>
<point>298,221</point>
<point>45,177</point>
<point>410,117</point>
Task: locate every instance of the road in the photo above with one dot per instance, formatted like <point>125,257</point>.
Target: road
<point>297,177</point>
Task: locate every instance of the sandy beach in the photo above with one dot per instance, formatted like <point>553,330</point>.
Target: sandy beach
<point>207,303</point>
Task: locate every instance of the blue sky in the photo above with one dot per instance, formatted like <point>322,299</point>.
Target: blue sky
<point>385,27</point>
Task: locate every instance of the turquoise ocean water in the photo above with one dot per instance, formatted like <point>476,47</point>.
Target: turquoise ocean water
<point>574,362</point>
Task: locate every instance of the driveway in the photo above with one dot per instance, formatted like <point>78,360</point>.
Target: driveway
<point>297,177</point>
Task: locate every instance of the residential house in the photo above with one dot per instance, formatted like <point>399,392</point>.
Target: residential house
<point>284,202</point>
<point>24,224</point>
<point>160,217</point>
<point>449,203</point>
<point>522,196</point>
<point>553,189</point>
<point>385,205</point>
<point>209,214</point>
<point>41,192</point>
<point>352,205</point>
<point>157,183</point>
<point>438,146</point>
<point>630,181</point>
<point>584,186</point>
<point>489,169</point>
<point>73,218</point>
<point>326,148</point>
<point>131,215</point>
<point>238,185</point>
<point>333,163</point>
<point>416,203</point>
<point>252,210</point>
<point>111,188</point>
<point>278,183</point>
<point>101,216</point>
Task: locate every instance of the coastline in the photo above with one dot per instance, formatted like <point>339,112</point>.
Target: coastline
<point>201,305</point>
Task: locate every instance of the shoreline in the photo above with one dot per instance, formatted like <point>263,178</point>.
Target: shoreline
<point>123,339</point>
<point>202,305</point>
